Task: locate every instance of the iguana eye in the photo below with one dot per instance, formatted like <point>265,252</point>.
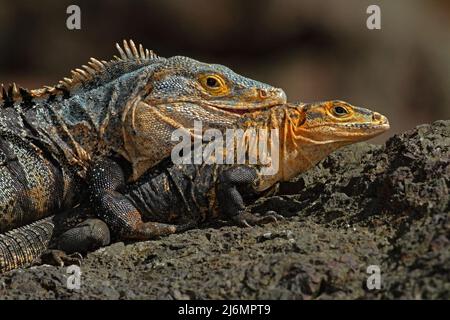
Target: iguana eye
<point>214,84</point>
<point>340,111</point>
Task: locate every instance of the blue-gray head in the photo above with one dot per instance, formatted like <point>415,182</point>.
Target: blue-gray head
<point>182,79</point>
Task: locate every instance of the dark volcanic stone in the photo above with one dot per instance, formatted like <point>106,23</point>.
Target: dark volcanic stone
<point>363,205</point>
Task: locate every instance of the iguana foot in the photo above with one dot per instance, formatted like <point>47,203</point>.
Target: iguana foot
<point>60,258</point>
<point>87,236</point>
<point>276,215</point>
<point>249,219</point>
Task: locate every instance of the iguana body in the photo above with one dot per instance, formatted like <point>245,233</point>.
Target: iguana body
<point>172,195</point>
<point>128,106</point>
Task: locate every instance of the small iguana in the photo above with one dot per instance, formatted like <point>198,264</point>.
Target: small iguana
<point>128,106</point>
<point>173,195</point>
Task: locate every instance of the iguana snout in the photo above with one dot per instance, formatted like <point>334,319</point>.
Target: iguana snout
<point>203,85</point>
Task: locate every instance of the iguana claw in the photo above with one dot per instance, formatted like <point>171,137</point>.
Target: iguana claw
<point>249,219</point>
<point>60,258</point>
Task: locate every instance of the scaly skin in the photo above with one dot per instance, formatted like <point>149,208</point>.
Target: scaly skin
<point>307,134</point>
<point>172,197</point>
<point>128,106</point>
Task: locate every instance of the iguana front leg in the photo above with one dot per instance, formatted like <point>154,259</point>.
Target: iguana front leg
<point>231,201</point>
<point>105,180</point>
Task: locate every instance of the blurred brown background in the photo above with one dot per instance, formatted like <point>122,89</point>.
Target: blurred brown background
<point>314,49</point>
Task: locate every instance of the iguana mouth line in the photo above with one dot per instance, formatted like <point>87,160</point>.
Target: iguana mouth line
<point>356,125</point>
<point>241,111</point>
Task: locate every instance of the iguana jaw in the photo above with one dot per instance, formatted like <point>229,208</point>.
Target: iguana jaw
<point>353,132</point>
<point>242,109</point>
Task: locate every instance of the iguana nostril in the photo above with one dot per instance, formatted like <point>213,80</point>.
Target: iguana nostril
<point>273,93</point>
<point>376,116</point>
<point>263,93</point>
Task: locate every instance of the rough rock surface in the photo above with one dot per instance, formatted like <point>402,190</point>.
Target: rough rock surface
<point>364,205</point>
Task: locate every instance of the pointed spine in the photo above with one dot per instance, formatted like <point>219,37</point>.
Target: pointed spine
<point>127,52</point>
<point>12,94</point>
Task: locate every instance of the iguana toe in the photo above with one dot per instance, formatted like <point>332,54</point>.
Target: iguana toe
<point>249,219</point>
<point>60,258</point>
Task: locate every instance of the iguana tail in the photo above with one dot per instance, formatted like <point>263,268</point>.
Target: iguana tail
<point>67,232</point>
<point>23,245</point>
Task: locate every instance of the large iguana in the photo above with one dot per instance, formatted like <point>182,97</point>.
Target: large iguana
<point>170,195</point>
<point>126,107</point>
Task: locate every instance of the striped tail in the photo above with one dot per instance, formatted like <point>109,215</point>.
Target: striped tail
<point>19,247</point>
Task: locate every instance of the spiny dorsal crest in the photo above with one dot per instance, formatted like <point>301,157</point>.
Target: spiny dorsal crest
<point>131,58</point>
